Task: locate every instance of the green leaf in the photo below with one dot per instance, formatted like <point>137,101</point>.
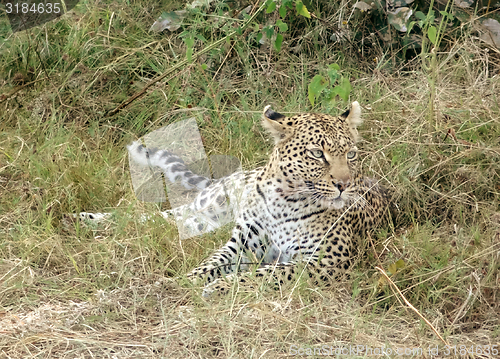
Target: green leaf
<point>431,34</point>
<point>410,26</point>
<point>400,264</point>
<point>343,89</point>
<point>396,267</point>
<point>189,54</point>
<point>281,25</point>
<point>328,94</point>
<point>430,17</point>
<point>269,31</point>
<point>333,73</point>
<point>392,269</point>
<point>271,6</point>
<point>448,15</point>
<point>302,10</point>
<point>316,86</point>
<point>201,38</point>
<point>278,42</point>
<point>189,40</point>
<point>204,66</point>
<point>259,36</point>
<point>282,10</point>
<point>334,67</point>
<point>420,15</point>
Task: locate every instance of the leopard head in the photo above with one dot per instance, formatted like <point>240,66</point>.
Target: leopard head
<point>315,155</point>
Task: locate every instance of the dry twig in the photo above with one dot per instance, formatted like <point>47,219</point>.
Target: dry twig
<point>393,285</point>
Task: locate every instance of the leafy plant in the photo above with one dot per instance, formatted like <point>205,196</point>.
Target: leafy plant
<point>190,20</point>
<point>274,31</point>
<point>382,17</point>
<point>329,87</point>
<point>431,39</point>
<point>392,270</point>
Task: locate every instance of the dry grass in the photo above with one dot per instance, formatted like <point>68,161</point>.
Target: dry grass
<point>73,292</point>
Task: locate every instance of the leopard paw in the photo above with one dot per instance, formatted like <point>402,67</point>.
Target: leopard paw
<point>218,287</point>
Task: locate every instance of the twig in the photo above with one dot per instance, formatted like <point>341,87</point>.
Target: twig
<point>393,285</point>
<point>182,63</point>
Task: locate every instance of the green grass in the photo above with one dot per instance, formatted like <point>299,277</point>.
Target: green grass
<point>72,291</point>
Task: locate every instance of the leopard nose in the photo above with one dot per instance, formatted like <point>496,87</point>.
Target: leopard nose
<point>342,186</point>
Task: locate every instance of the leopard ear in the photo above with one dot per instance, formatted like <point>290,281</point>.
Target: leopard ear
<point>353,118</point>
<point>274,123</point>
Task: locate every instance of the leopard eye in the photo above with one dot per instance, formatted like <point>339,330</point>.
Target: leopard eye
<point>351,154</point>
<point>317,153</point>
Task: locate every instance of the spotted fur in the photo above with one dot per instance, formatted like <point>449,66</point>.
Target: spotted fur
<point>300,213</point>
<point>307,205</point>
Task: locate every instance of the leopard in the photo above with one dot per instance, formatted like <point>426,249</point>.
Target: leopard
<point>301,213</point>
